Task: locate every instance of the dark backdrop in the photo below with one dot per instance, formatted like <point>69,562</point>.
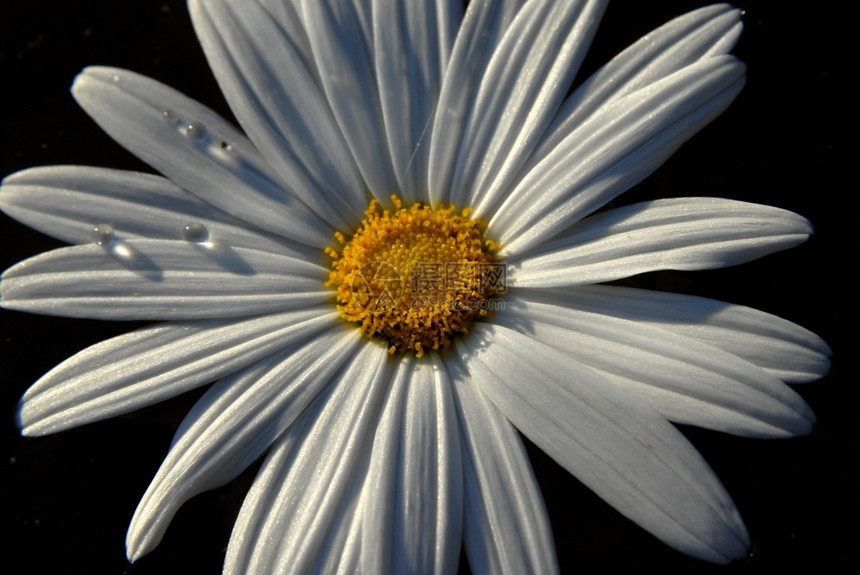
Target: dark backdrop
<point>68,498</point>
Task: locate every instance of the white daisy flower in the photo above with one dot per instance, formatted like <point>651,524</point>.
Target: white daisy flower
<point>381,348</point>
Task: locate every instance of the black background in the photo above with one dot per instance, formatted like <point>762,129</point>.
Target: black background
<point>68,498</point>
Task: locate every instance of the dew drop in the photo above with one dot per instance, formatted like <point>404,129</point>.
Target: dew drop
<point>196,131</point>
<point>102,234</point>
<point>196,232</point>
<point>170,117</point>
<point>115,78</point>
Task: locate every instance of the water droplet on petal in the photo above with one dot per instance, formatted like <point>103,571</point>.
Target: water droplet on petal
<point>102,234</point>
<point>115,78</point>
<point>170,117</point>
<point>196,232</point>
<point>196,131</point>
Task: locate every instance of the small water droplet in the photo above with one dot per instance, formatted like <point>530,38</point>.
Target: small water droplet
<point>115,78</point>
<point>102,234</point>
<point>196,232</point>
<point>170,117</point>
<point>196,131</point>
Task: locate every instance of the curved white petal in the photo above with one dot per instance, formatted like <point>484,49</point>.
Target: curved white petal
<point>234,422</point>
<point>482,28</point>
<point>524,83</point>
<point>613,150</point>
<point>161,279</point>
<point>66,202</point>
<point>155,363</point>
<point>211,159</point>
<point>264,76</point>
<point>412,45</point>
<point>288,15</point>
<point>342,42</point>
<point>505,525</point>
<point>624,451</point>
<point>680,234</point>
<point>304,482</point>
<point>704,33</point>
<point>412,504</point>
<point>784,349</point>
<point>685,380</point>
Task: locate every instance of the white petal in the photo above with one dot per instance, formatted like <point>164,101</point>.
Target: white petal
<point>703,33</point>
<point>155,363</point>
<point>305,480</point>
<point>161,279</point>
<point>483,27</point>
<point>685,380</point>
<point>288,15</point>
<point>412,45</point>
<point>214,161</point>
<point>625,452</point>
<point>525,82</point>
<point>613,150</point>
<point>679,234</point>
<point>783,349</point>
<point>412,508</point>
<point>342,44</point>
<point>505,525</point>
<point>264,76</point>
<point>66,202</point>
<point>234,422</point>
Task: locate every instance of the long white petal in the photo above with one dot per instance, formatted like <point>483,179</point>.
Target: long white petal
<point>342,43</point>
<point>483,27</point>
<point>412,45</point>
<point>234,422</point>
<point>525,82</point>
<point>197,149</point>
<point>784,349</point>
<point>685,380</point>
<point>412,514</point>
<point>155,363</point>
<point>66,202</point>
<point>505,525</point>
<point>305,480</point>
<point>613,150</point>
<point>161,279</point>
<point>680,234</point>
<point>265,78</point>
<point>704,33</point>
<point>624,451</point>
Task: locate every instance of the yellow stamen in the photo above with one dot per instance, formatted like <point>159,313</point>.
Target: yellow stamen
<point>414,276</point>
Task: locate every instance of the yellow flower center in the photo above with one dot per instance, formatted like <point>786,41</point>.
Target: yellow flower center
<point>415,277</point>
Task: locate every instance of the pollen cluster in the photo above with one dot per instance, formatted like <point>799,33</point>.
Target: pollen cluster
<point>414,276</point>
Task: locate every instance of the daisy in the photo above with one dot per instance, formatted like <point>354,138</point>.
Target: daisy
<point>400,261</point>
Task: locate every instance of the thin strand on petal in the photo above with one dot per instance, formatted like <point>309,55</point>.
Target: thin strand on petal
<point>412,44</point>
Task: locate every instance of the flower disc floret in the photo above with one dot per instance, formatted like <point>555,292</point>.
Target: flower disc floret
<point>414,276</point>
